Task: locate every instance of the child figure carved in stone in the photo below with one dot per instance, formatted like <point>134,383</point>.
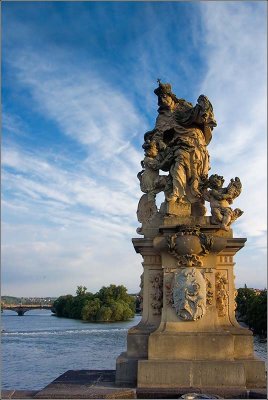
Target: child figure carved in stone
<point>220,199</point>
<point>151,182</point>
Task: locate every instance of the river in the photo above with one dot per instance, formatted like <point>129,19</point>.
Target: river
<point>38,347</point>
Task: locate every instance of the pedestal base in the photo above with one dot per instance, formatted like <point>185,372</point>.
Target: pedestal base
<point>201,374</point>
<point>201,345</point>
<point>189,339</point>
<point>126,370</point>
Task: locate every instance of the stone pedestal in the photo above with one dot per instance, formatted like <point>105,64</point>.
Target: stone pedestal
<point>137,339</point>
<point>188,336</point>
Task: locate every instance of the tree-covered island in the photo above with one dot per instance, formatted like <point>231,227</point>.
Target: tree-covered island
<point>252,309</point>
<point>109,304</point>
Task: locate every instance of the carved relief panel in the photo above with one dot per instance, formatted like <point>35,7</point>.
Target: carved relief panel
<point>169,282</point>
<point>235,303</point>
<point>209,297</point>
<point>189,294</point>
<point>221,294</point>
<point>189,290</point>
<point>157,293</point>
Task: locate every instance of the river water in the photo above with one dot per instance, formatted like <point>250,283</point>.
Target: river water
<point>38,347</point>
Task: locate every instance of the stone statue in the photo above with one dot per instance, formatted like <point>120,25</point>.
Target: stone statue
<point>151,183</point>
<point>182,133</point>
<point>220,199</point>
<point>150,180</point>
<point>178,145</point>
<point>188,335</point>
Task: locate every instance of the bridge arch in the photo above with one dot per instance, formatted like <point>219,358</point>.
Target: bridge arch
<point>22,309</point>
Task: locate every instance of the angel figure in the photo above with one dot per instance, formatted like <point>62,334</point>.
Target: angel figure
<point>220,200</point>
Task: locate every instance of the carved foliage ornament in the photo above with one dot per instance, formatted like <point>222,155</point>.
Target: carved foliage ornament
<point>235,303</point>
<point>141,291</point>
<point>169,289</point>
<point>189,260</point>
<point>209,292</point>
<point>221,294</point>
<point>157,294</point>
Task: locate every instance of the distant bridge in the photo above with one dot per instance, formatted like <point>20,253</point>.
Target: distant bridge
<point>21,309</point>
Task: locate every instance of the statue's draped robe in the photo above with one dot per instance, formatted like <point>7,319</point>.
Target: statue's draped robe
<point>186,131</point>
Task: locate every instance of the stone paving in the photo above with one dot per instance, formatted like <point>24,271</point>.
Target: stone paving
<point>100,384</point>
<point>18,394</point>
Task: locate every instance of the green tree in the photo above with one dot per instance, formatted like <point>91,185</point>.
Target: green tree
<point>113,292</point>
<point>121,311</point>
<point>257,313</point>
<point>90,309</point>
<point>81,290</point>
<point>63,305</point>
<point>78,304</point>
<point>252,308</point>
<point>110,303</point>
<point>104,314</point>
<point>243,299</point>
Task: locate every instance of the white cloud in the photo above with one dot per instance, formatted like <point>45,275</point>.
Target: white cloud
<point>235,44</point>
<point>69,220</point>
<point>13,124</point>
<point>93,252</point>
<point>235,36</point>
<point>39,180</point>
<point>86,106</point>
<point>49,239</point>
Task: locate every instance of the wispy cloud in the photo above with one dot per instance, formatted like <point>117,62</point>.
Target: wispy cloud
<point>69,211</point>
<point>13,124</point>
<point>235,49</point>
<point>236,74</point>
<point>87,206</point>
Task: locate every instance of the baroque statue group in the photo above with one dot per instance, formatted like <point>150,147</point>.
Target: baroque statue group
<point>178,145</point>
<point>188,337</point>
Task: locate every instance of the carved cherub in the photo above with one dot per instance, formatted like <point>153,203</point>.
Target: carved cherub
<point>150,180</point>
<point>220,199</point>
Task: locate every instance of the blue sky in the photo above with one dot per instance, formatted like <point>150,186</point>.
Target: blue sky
<point>77,98</point>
